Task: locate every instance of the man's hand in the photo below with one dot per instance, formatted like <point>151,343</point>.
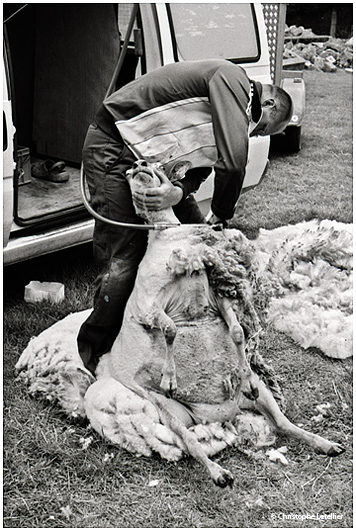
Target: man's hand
<point>159,198</point>
<point>217,223</point>
<point>211,219</point>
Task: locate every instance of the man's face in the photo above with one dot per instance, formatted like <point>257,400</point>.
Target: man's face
<point>268,125</point>
<point>269,129</point>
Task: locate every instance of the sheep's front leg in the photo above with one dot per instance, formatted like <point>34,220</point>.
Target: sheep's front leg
<point>267,405</point>
<point>235,329</point>
<point>169,377</point>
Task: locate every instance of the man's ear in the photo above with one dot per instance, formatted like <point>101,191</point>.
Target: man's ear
<point>270,102</point>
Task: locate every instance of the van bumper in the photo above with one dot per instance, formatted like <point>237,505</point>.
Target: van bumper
<point>25,247</point>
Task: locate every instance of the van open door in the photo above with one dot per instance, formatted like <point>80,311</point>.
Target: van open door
<point>8,155</point>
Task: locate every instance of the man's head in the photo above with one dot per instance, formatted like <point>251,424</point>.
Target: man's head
<point>277,110</point>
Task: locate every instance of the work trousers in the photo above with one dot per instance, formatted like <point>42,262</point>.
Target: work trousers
<point>118,250</point>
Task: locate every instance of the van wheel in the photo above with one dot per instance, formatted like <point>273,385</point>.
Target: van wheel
<point>293,138</point>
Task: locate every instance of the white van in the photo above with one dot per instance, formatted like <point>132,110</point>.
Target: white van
<point>59,61</point>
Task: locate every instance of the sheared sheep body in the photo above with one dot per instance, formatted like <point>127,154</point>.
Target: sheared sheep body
<point>181,310</point>
<point>173,276</point>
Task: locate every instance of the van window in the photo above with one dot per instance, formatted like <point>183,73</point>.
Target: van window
<point>226,31</point>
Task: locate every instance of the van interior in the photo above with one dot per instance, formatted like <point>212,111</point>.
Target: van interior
<point>62,58</point>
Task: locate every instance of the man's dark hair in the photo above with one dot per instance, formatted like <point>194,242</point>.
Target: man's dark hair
<point>285,106</point>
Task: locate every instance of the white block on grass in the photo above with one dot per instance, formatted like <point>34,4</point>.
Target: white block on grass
<point>37,291</point>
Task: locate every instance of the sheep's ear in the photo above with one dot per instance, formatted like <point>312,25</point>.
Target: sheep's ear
<point>179,169</point>
<point>128,174</point>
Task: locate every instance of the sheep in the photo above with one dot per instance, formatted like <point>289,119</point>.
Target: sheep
<point>177,379</point>
<point>181,346</point>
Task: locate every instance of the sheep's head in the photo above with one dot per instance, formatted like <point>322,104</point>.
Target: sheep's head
<point>141,177</point>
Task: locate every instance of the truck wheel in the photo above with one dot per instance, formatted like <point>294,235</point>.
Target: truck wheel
<point>293,138</point>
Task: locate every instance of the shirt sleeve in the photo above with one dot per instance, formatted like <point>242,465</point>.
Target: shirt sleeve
<point>229,91</point>
<point>192,180</point>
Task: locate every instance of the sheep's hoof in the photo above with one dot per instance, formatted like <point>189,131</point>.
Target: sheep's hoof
<point>224,479</point>
<point>168,385</point>
<point>330,448</point>
<point>335,450</point>
<point>252,393</point>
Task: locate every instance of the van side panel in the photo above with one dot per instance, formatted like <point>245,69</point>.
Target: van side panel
<point>26,247</point>
<point>151,36</point>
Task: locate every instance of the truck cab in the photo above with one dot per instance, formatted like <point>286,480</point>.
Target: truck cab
<point>60,60</point>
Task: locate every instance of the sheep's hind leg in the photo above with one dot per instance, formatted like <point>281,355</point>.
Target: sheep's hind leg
<point>169,377</point>
<point>267,405</point>
<point>220,476</point>
<point>236,332</point>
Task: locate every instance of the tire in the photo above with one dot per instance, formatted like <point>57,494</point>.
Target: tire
<point>293,138</point>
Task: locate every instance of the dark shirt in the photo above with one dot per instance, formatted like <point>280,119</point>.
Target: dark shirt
<point>228,89</point>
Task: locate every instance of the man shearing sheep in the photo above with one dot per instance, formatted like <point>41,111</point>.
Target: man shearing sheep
<point>199,112</point>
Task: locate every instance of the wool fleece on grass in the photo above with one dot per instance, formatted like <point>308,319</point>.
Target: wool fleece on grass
<point>309,269</point>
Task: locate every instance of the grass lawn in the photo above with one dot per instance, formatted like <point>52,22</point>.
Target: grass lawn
<point>61,474</point>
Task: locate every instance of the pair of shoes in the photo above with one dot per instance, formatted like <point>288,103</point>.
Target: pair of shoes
<point>50,171</point>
